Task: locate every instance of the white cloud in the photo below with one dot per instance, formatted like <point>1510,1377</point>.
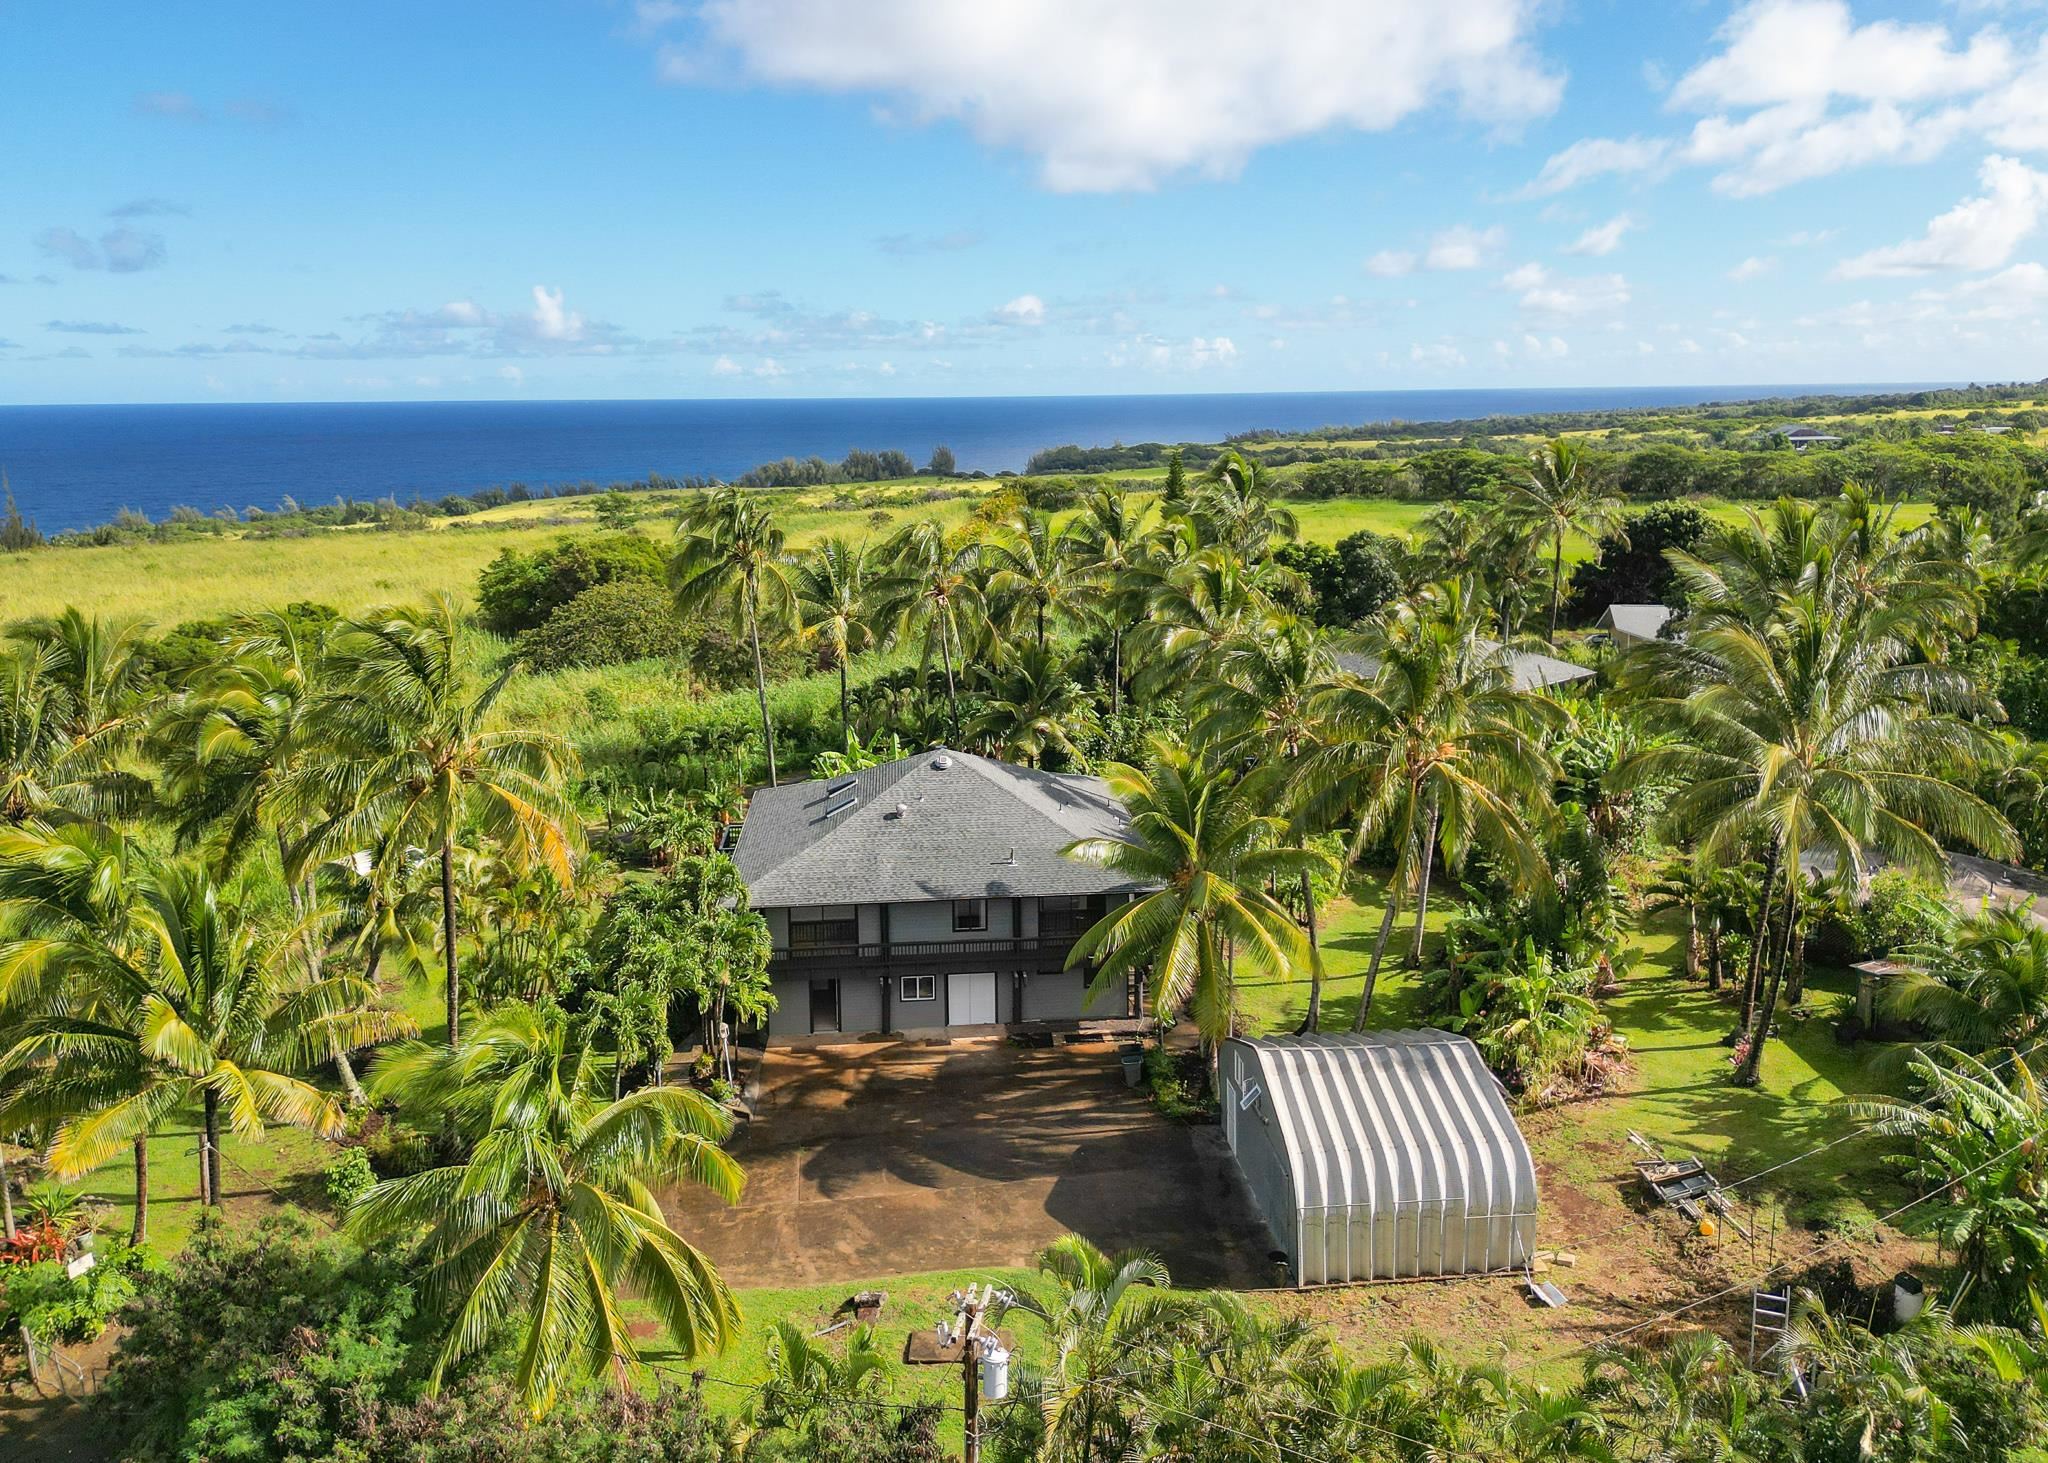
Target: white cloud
<point>1158,353</point>
<point>1391,263</point>
<point>1166,89</point>
<point>1436,356</point>
<point>1544,293</point>
<point>1602,239</point>
<point>1811,50</point>
<point>512,374</point>
<point>1978,233</point>
<point>1024,310</point>
<point>1595,157</point>
<point>1754,267</point>
<point>550,320</point>
<point>1797,90</point>
<point>119,251</point>
<point>1462,247</point>
<point>725,366</point>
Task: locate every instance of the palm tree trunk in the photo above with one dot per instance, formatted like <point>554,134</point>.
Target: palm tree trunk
<point>1714,964</point>
<point>1379,950</point>
<point>1422,897</point>
<point>1556,580</point>
<point>1760,938</point>
<point>315,962</point>
<point>1313,1021</point>
<point>760,674</point>
<point>209,1149</point>
<point>1752,1062</point>
<point>138,1233</point>
<point>845,715</point>
<point>453,987</point>
<point>1116,667</point>
<point>1692,940</point>
<point>1041,627</point>
<point>952,691</point>
<point>6,1197</point>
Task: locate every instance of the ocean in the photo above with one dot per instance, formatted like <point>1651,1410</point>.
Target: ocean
<point>72,466</point>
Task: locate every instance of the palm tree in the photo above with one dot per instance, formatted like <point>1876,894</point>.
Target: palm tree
<point>731,551</point>
<point>139,990</point>
<point>1258,701</point>
<point>45,771</point>
<point>1434,747</point>
<point>552,1213</point>
<point>1033,706</point>
<point>409,757</point>
<point>226,747</point>
<point>834,592</point>
<point>933,579</point>
<point>807,1381</point>
<point>1561,495</point>
<point>1037,568</point>
<point>1106,1310</point>
<point>1110,539</point>
<point>1204,835</point>
<point>1234,509</point>
<point>1980,1148</point>
<point>1986,990</point>
<point>1199,606</point>
<point>1817,730</point>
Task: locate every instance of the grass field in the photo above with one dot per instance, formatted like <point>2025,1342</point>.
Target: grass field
<point>355,569</point>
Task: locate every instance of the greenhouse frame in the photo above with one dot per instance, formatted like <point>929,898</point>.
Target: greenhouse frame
<point>1379,1155</point>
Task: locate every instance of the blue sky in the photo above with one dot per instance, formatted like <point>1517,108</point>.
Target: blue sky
<point>920,197</point>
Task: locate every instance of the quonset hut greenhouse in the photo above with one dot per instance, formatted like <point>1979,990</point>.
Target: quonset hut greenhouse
<point>1380,1154</point>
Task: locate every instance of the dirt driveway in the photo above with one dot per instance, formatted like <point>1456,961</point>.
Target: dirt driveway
<point>885,1158</point>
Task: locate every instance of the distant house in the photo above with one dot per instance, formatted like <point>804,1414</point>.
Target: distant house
<point>1633,624</point>
<point>930,892</point>
<point>1529,670</point>
<point>1803,437</point>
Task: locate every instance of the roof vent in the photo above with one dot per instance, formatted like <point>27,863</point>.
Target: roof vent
<point>902,808</point>
<point>941,762</point>
<point>841,806</point>
<point>833,789</point>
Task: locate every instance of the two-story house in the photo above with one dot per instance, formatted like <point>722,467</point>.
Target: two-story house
<point>929,893</point>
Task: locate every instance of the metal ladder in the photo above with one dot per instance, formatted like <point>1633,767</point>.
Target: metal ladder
<point>1770,1314</point>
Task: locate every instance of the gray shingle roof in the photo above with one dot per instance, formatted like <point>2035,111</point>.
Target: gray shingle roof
<point>968,828</point>
<point>1645,622</point>
<point>1529,670</point>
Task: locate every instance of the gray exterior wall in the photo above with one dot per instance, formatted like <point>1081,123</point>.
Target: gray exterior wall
<point>1048,995</point>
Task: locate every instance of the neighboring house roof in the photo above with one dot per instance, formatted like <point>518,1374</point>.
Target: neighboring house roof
<point>940,825</point>
<point>1645,622</point>
<point>1810,434</point>
<point>1529,670</point>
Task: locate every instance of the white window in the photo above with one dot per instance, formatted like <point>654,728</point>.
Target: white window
<point>969,915</point>
<point>919,987</point>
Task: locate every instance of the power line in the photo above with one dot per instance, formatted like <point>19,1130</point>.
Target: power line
<point>1803,1256</point>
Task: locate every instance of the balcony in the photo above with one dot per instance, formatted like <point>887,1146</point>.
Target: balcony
<point>1044,952</point>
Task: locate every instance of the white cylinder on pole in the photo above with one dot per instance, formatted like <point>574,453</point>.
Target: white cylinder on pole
<point>995,1370</point>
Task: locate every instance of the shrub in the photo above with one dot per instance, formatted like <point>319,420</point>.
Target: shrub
<point>608,624</point>
<point>518,592</point>
<point>257,1344</point>
<point>1179,1083</point>
<point>1899,912</point>
<point>56,1306</point>
<point>347,1177</point>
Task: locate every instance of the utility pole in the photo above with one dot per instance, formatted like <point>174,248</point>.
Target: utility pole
<point>983,1356</point>
<point>971,1307</point>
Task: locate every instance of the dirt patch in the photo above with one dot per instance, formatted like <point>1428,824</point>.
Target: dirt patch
<point>887,1158</point>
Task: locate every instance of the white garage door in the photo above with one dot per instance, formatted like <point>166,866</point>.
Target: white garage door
<point>971,999</point>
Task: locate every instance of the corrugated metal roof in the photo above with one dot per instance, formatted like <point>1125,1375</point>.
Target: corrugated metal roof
<point>1400,1147</point>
